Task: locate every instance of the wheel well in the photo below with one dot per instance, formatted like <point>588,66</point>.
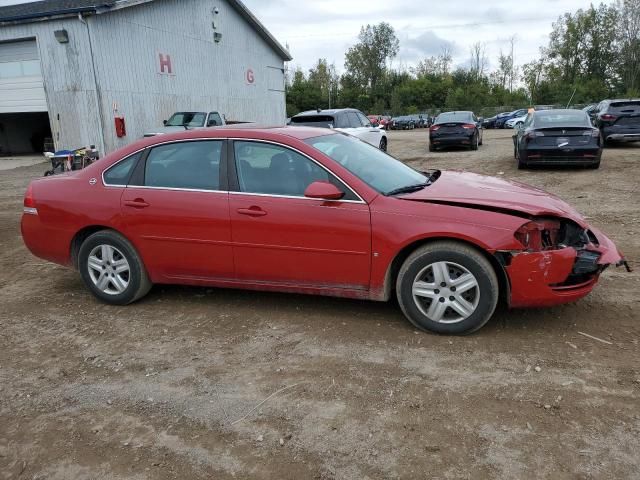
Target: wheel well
<point>396,263</point>
<point>79,239</point>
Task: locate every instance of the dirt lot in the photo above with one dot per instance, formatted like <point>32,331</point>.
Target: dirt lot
<point>205,383</point>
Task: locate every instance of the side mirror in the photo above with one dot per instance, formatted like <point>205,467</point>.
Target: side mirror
<point>323,191</point>
<point>164,122</point>
<point>480,120</point>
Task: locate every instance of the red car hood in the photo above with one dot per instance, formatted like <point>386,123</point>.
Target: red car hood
<point>471,189</point>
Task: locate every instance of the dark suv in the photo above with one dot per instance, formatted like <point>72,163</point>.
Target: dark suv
<point>618,120</point>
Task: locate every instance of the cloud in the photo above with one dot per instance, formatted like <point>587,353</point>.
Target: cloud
<point>429,44</point>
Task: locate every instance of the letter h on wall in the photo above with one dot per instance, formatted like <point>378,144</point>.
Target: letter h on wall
<point>165,67</point>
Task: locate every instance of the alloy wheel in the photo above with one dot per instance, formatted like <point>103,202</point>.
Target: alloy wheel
<point>108,269</point>
<point>446,292</point>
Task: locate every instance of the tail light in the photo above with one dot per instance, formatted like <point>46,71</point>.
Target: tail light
<point>29,202</point>
<point>532,135</point>
<point>433,128</point>
<point>468,126</point>
<point>591,133</point>
<point>539,235</point>
<point>608,116</point>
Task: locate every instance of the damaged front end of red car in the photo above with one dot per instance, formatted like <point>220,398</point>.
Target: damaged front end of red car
<point>561,262</point>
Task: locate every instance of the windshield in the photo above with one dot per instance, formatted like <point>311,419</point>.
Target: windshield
<point>186,119</point>
<point>559,118</point>
<point>371,165</point>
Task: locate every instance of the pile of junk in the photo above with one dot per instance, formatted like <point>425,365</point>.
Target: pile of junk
<point>68,160</point>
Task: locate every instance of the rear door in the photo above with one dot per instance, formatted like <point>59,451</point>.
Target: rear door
<point>176,211</point>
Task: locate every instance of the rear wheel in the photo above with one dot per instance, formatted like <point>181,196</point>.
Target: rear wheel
<point>521,163</point>
<point>447,287</point>
<point>475,141</point>
<point>595,166</point>
<point>112,269</point>
<point>383,144</point>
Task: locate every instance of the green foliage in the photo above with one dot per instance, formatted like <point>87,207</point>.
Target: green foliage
<point>592,54</point>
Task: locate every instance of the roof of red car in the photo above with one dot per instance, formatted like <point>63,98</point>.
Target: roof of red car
<point>296,132</point>
<point>244,130</point>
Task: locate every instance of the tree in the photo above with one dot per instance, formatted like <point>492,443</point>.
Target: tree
<point>629,29</point>
<point>478,60</point>
<point>366,61</point>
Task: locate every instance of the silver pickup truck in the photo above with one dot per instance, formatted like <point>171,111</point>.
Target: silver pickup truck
<point>181,121</point>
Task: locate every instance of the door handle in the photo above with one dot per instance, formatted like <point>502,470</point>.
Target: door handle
<point>252,212</point>
<point>137,203</point>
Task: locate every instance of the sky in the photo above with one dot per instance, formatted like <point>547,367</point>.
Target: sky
<point>327,28</point>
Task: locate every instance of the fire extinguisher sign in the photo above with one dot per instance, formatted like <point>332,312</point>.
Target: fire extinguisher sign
<point>249,76</point>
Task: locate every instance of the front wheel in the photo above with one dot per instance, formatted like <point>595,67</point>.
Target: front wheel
<point>112,269</point>
<point>383,144</point>
<point>447,287</point>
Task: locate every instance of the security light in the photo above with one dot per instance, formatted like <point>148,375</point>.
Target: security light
<point>62,36</point>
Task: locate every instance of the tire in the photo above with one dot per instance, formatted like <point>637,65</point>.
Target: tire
<point>120,288</point>
<point>459,261</point>
<point>432,148</point>
<point>595,166</point>
<point>481,140</point>
<point>521,164</point>
<point>383,144</point>
<point>476,141</point>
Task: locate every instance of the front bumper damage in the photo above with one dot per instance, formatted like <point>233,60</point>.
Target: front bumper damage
<point>560,275</point>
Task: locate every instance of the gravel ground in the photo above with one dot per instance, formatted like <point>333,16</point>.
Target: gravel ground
<point>207,383</point>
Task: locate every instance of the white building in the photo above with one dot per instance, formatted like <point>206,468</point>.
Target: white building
<point>68,68</point>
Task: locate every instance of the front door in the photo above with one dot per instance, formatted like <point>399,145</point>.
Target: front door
<point>280,236</point>
<point>176,211</point>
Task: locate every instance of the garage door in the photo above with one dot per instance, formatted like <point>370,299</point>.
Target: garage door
<point>21,86</point>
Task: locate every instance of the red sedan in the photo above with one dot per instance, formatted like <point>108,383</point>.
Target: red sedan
<point>313,211</point>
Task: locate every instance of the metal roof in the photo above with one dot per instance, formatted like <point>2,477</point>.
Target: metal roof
<point>46,9</point>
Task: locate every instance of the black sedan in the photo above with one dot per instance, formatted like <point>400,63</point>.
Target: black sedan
<point>402,123</point>
<point>558,137</point>
<point>455,129</point>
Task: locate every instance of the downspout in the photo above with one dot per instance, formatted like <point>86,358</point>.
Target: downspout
<point>97,96</point>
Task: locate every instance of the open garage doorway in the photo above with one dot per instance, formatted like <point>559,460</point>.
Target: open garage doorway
<point>24,133</point>
<point>24,121</point>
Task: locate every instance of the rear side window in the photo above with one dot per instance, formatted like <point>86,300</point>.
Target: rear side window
<point>185,165</point>
<point>119,174</point>
<point>625,107</point>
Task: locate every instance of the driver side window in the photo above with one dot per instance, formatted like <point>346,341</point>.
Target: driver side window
<point>276,170</point>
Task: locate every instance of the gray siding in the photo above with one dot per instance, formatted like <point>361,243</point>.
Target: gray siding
<point>126,44</point>
<point>68,83</point>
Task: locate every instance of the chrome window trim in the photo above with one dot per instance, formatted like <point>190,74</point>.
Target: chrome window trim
<point>296,198</point>
<point>178,189</point>
<point>306,156</point>
<point>221,139</point>
<point>199,139</point>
